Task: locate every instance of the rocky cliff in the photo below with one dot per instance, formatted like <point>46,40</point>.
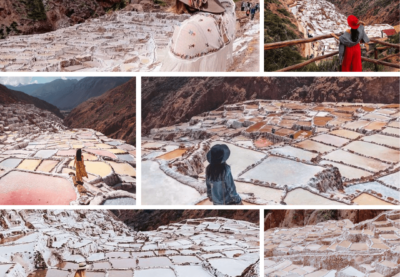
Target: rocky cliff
<point>8,96</point>
<point>39,16</point>
<point>167,101</point>
<point>147,220</point>
<point>372,11</point>
<point>113,113</point>
<point>298,218</point>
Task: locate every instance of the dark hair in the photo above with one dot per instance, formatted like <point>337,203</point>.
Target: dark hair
<point>354,35</point>
<point>79,154</point>
<point>216,172</point>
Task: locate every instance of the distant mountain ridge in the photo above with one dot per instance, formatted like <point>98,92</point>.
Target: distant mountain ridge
<point>68,94</point>
<point>8,96</point>
<point>113,113</point>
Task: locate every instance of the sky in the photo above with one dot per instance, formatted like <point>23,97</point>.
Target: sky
<point>17,81</point>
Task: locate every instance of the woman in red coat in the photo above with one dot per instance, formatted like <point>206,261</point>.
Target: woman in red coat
<point>349,47</point>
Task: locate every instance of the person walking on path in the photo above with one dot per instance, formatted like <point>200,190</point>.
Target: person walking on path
<point>80,166</point>
<point>203,42</point>
<point>81,272</point>
<point>349,47</point>
<point>221,189</point>
<point>253,12</point>
<point>243,6</point>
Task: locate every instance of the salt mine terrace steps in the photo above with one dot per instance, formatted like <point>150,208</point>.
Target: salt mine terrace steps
<point>372,44</point>
<point>376,241</point>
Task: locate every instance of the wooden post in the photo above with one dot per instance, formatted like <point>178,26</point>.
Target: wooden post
<point>376,57</point>
<point>394,65</point>
<point>300,65</point>
<point>285,43</point>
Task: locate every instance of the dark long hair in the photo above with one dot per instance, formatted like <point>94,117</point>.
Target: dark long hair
<point>354,35</point>
<point>216,172</point>
<point>79,154</point>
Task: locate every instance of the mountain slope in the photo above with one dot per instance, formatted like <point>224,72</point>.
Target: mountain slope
<point>147,220</point>
<point>299,218</point>
<point>372,11</point>
<point>167,101</point>
<point>8,96</point>
<point>28,89</point>
<point>113,113</point>
<point>86,88</point>
<point>51,92</point>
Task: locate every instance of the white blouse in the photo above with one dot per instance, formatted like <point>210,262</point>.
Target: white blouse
<point>204,42</point>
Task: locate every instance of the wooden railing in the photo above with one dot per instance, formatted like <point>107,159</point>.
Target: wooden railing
<point>376,61</point>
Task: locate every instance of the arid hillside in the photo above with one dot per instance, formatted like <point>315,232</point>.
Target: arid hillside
<point>8,96</point>
<point>113,113</point>
<point>168,101</point>
<point>39,16</point>
<point>147,220</point>
<point>372,11</point>
<point>299,218</point>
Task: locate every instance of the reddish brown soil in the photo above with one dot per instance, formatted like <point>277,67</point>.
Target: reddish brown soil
<point>113,113</point>
<point>33,17</point>
<point>8,96</point>
<point>298,218</point>
<point>371,11</point>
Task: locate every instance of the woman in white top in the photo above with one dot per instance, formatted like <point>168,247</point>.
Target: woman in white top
<point>204,42</point>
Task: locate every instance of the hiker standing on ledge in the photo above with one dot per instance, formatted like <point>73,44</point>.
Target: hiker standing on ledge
<point>221,189</point>
<point>349,47</point>
<point>80,167</point>
<point>204,42</point>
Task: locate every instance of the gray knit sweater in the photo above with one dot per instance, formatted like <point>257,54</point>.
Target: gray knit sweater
<point>345,41</point>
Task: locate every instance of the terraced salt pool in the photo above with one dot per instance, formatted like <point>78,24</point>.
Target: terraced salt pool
<point>240,158</point>
<point>388,192</point>
<point>363,162</point>
<point>21,188</point>
<point>348,172</point>
<point>160,189</point>
<point>375,151</point>
<point>301,196</point>
<point>282,171</point>
<point>294,152</point>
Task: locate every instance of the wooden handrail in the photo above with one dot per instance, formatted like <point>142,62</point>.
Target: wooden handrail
<point>385,43</point>
<point>381,62</point>
<point>300,65</point>
<point>280,44</point>
<point>388,57</point>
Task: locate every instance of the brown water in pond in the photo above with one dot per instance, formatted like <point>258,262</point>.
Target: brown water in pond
<point>321,121</point>
<point>284,132</point>
<point>342,115</point>
<point>267,129</point>
<point>302,134</point>
<point>367,199</point>
<point>391,106</point>
<point>255,127</point>
<point>368,109</point>
<point>173,154</point>
<point>263,142</point>
<point>375,126</point>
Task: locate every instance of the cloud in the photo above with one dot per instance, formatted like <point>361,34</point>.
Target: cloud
<point>34,82</point>
<point>15,81</point>
<point>64,78</point>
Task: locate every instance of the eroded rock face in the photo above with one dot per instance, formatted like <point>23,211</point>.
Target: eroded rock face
<point>57,240</point>
<point>113,113</point>
<point>335,248</point>
<point>39,16</point>
<point>299,218</point>
<point>371,12</point>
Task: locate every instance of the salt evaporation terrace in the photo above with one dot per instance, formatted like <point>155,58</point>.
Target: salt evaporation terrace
<point>320,17</point>
<point>335,249</point>
<point>37,155</point>
<point>44,243</point>
<point>122,41</point>
<point>282,152</point>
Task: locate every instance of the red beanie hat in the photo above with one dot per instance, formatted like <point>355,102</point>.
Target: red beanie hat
<point>353,22</point>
